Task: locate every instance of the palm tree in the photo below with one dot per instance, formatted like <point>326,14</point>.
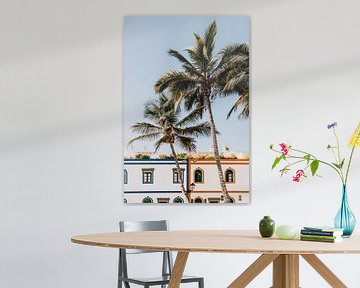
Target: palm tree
<point>166,128</point>
<point>235,77</point>
<point>196,84</point>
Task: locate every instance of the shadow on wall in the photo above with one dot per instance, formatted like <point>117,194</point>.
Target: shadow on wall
<point>55,134</point>
<point>299,77</point>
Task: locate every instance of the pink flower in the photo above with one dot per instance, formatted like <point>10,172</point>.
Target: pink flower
<point>284,148</point>
<point>300,174</point>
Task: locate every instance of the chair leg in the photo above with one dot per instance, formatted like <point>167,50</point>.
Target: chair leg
<point>164,266</point>
<point>201,283</point>
<point>120,270</point>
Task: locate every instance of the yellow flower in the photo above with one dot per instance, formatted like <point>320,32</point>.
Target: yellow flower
<point>355,138</point>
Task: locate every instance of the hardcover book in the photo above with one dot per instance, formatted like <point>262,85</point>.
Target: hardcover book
<point>325,240</point>
<point>323,228</point>
<point>321,233</point>
<point>320,237</point>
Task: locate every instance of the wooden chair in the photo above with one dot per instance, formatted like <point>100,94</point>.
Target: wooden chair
<point>167,262</point>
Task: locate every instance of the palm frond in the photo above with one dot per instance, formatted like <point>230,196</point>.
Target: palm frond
<point>238,83</point>
<point>187,143</point>
<point>172,80</point>
<point>242,48</point>
<point>193,97</point>
<point>239,61</point>
<point>201,129</point>
<point>160,142</point>
<point>196,59</point>
<point>209,38</point>
<point>145,128</point>
<point>188,67</point>
<point>145,137</point>
<point>180,90</point>
<point>243,101</point>
<point>192,117</point>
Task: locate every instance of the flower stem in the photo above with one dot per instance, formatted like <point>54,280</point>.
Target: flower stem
<point>333,152</point>
<point>348,168</point>
<point>339,156</point>
<point>312,159</point>
<point>296,162</point>
<point>338,171</point>
<point>338,145</point>
<point>304,152</point>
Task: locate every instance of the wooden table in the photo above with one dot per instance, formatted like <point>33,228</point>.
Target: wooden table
<point>284,254</point>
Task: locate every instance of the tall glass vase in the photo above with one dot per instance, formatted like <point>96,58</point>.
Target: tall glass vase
<point>345,219</point>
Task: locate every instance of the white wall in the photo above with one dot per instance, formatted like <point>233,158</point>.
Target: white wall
<point>61,134</point>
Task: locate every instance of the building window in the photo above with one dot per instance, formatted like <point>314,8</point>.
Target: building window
<point>229,176</point>
<point>240,198</point>
<point>214,200</point>
<point>198,200</point>
<point>163,200</point>
<point>148,176</point>
<point>125,176</point>
<point>176,178</point>
<point>147,199</point>
<point>178,200</point>
<point>125,200</point>
<point>199,176</point>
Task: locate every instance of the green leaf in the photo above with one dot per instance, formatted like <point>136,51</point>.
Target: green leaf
<point>314,167</point>
<point>276,162</point>
<point>307,157</point>
<point>339,166</point>
<point>271,146</point>
<point>284,171</point>
<point>336,165</point>
<point>342,163</point>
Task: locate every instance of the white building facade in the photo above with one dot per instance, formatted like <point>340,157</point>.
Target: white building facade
<point>157,180</point>
<point>153,181</point>
<point>205,185</point>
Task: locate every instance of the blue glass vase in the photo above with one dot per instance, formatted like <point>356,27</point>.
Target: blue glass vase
<point>345,219</point>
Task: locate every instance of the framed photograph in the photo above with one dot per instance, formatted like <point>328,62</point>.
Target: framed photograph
<point>187,109</point>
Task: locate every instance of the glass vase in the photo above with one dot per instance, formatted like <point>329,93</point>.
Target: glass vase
<point>345,219</point>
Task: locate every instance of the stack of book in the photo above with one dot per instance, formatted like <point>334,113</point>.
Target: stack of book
<point>321,234</point>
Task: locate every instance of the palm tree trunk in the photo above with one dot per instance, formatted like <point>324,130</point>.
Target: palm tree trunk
<point>186,196</point>
<point>226,197</point>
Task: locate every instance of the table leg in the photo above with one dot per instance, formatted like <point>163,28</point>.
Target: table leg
<point>253,270</point>
<point>178,269</point>
<point>324,271</point>
<point>286,271</point>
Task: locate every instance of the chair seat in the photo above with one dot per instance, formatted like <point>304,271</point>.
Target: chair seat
<point>158,280</point>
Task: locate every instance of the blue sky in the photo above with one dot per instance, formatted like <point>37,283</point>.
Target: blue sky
<point>146,41</point>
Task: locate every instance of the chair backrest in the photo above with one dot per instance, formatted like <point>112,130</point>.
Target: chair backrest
<point>139,226</point>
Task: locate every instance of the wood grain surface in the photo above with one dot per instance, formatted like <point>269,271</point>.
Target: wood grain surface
<point>218,241</point>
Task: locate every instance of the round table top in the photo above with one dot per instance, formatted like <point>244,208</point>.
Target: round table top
<point>217,241</point>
